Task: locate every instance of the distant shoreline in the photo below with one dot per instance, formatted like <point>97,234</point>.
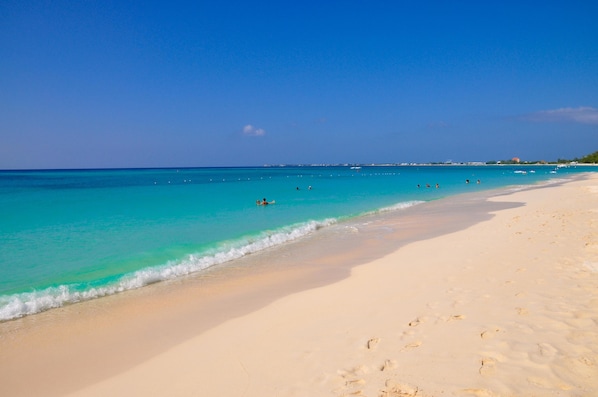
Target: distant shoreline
<point>457,164</point>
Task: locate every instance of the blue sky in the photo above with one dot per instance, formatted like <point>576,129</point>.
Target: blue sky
<point>92,84</point>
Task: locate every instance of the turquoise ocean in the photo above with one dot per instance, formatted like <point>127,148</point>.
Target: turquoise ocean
<point>73,235</point>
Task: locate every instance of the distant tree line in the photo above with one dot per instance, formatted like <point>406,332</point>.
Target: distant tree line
<point>590,158</point>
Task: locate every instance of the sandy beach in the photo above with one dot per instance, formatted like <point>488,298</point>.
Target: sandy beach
<point>495,297</point>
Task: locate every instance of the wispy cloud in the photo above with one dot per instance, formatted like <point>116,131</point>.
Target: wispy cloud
<point>583,115</point>
<point>250,130</point>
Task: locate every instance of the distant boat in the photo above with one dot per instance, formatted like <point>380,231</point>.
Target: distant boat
<point>520,172</point>
<point>355,168</point>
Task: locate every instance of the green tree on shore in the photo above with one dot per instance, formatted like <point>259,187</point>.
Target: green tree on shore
<point>590,158</point>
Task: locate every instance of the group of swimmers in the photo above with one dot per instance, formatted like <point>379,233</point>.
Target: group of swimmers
<point>266,202</point>
<point>437,185</point>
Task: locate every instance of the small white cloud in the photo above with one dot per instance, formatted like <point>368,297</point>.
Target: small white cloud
<point>583,115</point>
<point>250,130</point>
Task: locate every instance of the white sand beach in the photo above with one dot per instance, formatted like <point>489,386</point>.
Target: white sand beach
<point>504,306</point>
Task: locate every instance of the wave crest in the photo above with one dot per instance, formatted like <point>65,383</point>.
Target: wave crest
<point>23,304</point>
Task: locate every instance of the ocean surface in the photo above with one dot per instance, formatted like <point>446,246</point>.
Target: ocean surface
<point>68,236</point>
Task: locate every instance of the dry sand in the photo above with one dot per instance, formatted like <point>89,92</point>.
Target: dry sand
<point>507,306</point>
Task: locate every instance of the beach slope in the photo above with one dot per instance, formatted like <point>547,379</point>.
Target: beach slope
<point>507,306</point>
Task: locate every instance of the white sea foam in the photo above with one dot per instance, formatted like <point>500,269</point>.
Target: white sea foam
<point>400,206</point>
<point>23,304</point>
<point>395,207</point>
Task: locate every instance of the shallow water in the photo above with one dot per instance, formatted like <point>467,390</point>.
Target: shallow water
<point>67,236</point>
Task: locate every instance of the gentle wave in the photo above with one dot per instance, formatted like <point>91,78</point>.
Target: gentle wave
<point>399,206</point>
<point>23,304</point>
<point>27,303</point>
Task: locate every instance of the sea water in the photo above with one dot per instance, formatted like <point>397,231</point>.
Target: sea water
<point>73,235</point>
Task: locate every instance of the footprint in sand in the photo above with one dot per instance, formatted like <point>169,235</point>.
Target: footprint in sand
<point>360,370</point>
<point>352,380</point>
<point>388,364</point>
<point>394,389</point>
<point>488,366</point>
<point>591,247</point>
<point>415,322</point>
<point>587,361</point>
<point>372,343</point>
<point>522,311</point>
<point>488,334</point>
<point>544,353</point>
<point>411,345</point>
<point>355,382</point>
<point>456,317</point>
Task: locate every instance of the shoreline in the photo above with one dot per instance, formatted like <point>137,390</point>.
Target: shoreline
<point>141,332</point>
<point>184,256</point>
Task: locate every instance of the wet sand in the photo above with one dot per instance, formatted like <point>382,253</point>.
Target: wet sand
<point>462,296</point>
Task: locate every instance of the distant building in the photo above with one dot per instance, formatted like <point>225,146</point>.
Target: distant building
<point>516,160</point>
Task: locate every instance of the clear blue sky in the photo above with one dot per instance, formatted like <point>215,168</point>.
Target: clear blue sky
<point>88,84</point>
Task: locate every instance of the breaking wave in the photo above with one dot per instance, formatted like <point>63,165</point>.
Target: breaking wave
<point>26,303</point>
